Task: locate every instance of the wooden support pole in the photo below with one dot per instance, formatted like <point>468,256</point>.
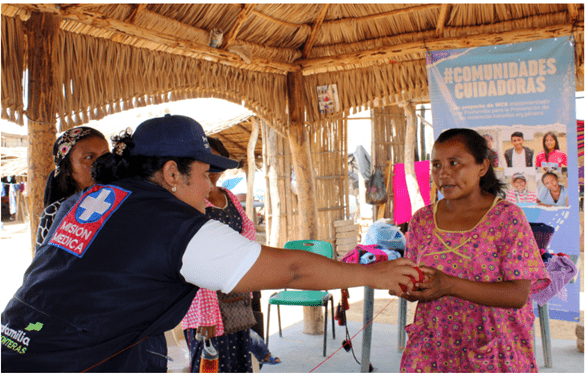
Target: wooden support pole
<point>42,29</point>
<point>271,167</point>
<point>301,153</point>
<point>250,212</point>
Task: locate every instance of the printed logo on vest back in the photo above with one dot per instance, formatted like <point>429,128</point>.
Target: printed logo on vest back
<point>89,214</point>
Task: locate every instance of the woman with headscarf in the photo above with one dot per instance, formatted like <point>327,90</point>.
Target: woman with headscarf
<point>73,153</point>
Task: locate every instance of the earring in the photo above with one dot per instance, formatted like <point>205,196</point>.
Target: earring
<point>174,189</point>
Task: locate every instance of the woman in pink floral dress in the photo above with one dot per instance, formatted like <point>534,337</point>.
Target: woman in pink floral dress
<point>481,263</point>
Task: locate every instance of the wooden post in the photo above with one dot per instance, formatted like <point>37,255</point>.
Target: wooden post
<point>250,212</point>
<point>416,200</point>
<point>301,153</point>
<point>42,31</point>
<point>271,167</point>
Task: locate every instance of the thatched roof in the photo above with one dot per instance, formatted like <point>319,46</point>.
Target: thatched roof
<point>117,56</point>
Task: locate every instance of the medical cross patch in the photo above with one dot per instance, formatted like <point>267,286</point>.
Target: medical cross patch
<point>83,222</point>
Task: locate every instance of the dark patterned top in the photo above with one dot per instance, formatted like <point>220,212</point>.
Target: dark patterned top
<point>46,221</point>
<point>228,215</point>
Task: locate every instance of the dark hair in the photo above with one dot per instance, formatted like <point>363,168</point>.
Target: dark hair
<point>478,147</point>
<point>63,185</point>
<point>544,144</point>
<point>517,134</point>
<point>120,164</point>
<point>548,173</point>
<point>216,144</point>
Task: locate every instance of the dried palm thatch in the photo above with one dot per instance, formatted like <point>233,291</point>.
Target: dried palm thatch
<point>119,56</point>
<point>13,161</point>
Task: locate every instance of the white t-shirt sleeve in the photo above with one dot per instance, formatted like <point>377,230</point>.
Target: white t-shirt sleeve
<point>217,257</point>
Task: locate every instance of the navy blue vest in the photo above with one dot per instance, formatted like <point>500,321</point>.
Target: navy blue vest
<point>107,276</point>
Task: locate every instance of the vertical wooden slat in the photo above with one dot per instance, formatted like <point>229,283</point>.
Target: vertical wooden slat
<point>272,169</point>
<point>42,31</point>
<point>250,212</point>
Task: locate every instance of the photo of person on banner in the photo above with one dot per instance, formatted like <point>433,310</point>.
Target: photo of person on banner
<point>552,193</point>
<point>551,156</point>
<point>520,192</point>
<point>494,158</point>
<point>519,155</point>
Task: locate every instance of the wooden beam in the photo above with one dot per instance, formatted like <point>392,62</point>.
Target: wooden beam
<point>573,10</point>
<point>79,7</point>
<point>243,16</point>
<point>391,13</point>
<point>42,32</point>
<point>315,30</point>
<point>136,10</point>
<point>443,16</point>
<point>168,43</point>
<point>421,46</point>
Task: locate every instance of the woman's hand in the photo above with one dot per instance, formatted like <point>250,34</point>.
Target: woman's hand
<point>206,331</point>
<point>505,294</point>
<point>435,285</point>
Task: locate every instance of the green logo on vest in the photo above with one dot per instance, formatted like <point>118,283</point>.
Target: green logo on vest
<point>38,326</point>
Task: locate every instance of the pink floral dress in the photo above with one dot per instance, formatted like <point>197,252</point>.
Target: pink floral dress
<point>455,335</point>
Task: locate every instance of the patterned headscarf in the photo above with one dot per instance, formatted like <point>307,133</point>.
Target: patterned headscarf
<point>68,139</point>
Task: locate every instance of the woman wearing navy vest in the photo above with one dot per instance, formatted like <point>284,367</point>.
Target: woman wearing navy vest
<point>125,258</point>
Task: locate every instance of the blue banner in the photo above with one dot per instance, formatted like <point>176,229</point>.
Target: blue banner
<point>521,97</point>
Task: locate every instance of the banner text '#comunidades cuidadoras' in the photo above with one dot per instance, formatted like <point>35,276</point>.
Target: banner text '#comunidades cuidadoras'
<point>511,78</point>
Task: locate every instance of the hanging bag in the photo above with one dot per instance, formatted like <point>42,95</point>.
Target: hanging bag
<point>376,189</point>
<point>236,311</point>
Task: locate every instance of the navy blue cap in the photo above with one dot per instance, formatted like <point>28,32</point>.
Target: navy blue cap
<point>177,136</point>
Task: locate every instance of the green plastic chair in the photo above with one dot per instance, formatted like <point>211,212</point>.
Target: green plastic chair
<point>305,297</point>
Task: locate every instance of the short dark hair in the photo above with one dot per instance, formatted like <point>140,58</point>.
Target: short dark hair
<point>478,147</point>
<point>517,134</point>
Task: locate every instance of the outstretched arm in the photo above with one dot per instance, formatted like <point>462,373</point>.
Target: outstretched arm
<point>506,294</point>
<point>285,268</point>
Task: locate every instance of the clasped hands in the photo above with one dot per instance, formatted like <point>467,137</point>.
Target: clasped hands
<point>432,284</point>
